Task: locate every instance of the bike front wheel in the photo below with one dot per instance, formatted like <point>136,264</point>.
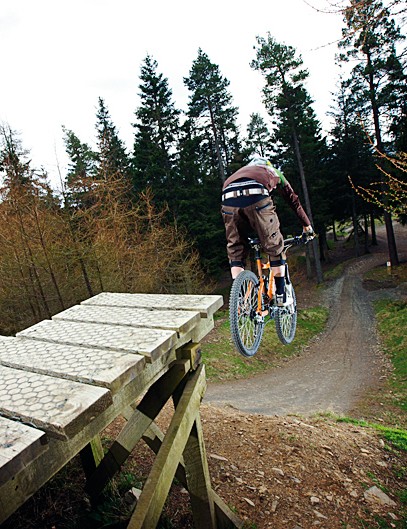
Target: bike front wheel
<point>246,326</point>
<point>286,317</point>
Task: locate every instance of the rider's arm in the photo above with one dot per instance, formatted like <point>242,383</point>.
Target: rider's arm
<point>287,192</point>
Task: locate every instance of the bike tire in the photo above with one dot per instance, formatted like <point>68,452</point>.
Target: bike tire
<point>246,332</point>
<point>286,320</point>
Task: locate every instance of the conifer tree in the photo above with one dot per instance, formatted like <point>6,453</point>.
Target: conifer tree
<point>156,134</point>
<point>82,170</point>
<point>378,78</point>
<point>258,136</point>
<point>297,139</point>
<point>352,163</point>
<point>112,156</point>
<point>210,106</point>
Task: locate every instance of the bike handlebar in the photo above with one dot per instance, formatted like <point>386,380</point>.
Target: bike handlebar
<point>292,241</point>
<point>298,239</point>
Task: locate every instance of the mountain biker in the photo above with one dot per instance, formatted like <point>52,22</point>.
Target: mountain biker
<point>247,205</point>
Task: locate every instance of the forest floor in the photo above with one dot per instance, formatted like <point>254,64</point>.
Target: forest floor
<point>278,455</point>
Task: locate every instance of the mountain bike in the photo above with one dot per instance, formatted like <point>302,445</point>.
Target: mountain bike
<point>252,302</point>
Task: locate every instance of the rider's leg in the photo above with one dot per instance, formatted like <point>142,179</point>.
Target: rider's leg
<point>236,267</point>
<point>235,271</point>
<point>278,270</point>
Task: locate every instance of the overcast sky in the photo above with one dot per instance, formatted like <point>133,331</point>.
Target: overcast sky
<point>58,57</point>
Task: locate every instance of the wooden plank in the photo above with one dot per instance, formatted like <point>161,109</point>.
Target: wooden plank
<point>24,484</point>
<point>19,446</point>
<point>108,369</point>
<point>151,343</point>
<point>156,488</point>
<point>205,305</point>
<point>60,407</point>
<point>180,321</point>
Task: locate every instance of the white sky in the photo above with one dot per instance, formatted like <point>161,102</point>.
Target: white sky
<point>58,57</point>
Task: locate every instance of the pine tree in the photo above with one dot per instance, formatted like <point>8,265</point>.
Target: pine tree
<point>112,157</point>
<point>82,170</point>
<point>156,134</point>
<point>210,106</point>
<point>258,139</point>
<point>378,81</point>
<point>352,163</point>
<point>298,132</point>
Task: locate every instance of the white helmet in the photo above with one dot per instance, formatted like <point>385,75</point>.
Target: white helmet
<point>259,160</point>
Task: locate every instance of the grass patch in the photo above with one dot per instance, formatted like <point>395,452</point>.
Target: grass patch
<point>392,322</point>
<point>385,274</point>
<point>334,273</point>
<point>397,437</point>
<point>223,362</point>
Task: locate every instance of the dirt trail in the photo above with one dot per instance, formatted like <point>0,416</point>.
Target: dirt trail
<point>336,369</point>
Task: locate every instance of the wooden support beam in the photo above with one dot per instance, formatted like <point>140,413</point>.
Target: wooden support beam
<point>225,517</point>
<point>91,456</point>
<point>147,410</point>
<point>198,480</point>
<point>157,486</point>
<point>192,352</point>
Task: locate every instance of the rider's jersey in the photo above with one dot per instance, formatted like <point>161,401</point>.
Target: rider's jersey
<point>268,178</point>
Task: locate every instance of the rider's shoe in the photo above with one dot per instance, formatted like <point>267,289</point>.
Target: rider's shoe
<point>286,299</point>
<point>280,300</point>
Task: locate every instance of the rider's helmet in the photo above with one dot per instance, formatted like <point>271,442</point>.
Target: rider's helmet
<point>261,161</point>
<point>264,162</point>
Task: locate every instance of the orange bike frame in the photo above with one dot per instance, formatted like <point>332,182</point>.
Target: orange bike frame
<point>260,268</point>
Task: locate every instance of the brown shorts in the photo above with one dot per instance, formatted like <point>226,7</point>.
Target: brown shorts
<point>260,217</point>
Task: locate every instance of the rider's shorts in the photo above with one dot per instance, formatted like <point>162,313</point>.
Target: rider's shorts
<point>241,222</point>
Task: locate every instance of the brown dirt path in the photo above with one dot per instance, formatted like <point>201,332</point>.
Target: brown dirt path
<point>337,369</point>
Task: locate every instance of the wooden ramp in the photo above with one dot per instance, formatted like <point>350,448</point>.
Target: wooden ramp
<point>64,380</point>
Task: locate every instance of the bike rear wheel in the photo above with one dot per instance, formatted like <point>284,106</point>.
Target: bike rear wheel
<point>286,318</point>
<point>245,326</point>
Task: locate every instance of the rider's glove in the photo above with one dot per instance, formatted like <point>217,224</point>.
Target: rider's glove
<point>308,234</point>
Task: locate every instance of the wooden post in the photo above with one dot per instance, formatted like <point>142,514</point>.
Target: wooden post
<point>225,517</point>
<point>157,486</point>
<point>143,416</point>
<point>92,455</point>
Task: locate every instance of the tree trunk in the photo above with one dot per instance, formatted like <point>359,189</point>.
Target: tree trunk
<point>355,225</point>
<point>373,228</point>
<point>217,145</point>
<point>334,231</point>
<point>314,243</point>
<point>366,234</point>
<point>322,244</point>
<point>47,259</point>
<point>391,241</point>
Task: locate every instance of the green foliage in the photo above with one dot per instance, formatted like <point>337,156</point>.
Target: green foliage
<point>209,151</point>
<point>112,157</point>
<point>378,79</point>
<point>155,138</point>
<point>210,106</point>
<point>82,171</point>
<point>392,320</point>
<point>397,437</point>
<point>300,150</point>
<point>258,139</point>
